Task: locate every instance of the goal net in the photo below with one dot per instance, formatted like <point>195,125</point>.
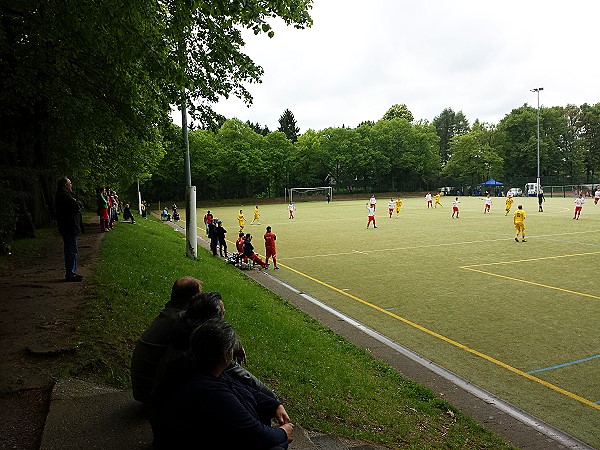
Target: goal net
<point>308,194</point>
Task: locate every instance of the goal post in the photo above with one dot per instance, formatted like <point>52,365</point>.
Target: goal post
<point>309,193</point>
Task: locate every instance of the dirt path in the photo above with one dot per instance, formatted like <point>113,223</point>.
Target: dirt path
<point>39,314</point>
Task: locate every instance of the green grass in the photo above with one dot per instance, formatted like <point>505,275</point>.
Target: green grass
<point>325,382</point>
<point>461,292</point>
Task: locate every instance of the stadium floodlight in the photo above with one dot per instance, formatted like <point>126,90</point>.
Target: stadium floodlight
<point>539,184</point>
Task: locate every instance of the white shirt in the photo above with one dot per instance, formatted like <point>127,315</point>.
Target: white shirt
<point>455,203</point>
<point>579,201</point>
<point>371,210</point>
<point>291,207</point>
<point>428,197</point>
<point>597,194</point>
<point>372,201</point>
<point>488,200</point>
<point>391,204</point>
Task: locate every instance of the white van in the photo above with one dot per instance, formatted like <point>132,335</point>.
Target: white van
<point>531,189</point>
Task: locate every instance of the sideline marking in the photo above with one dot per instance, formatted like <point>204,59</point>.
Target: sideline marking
<point>471,268</point>
<point>495,361</point>
<point>558,366</point>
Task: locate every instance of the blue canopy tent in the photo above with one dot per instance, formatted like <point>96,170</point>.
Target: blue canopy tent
<point>491,182</point>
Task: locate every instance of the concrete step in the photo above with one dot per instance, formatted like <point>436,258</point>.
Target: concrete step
<point>84,415</point>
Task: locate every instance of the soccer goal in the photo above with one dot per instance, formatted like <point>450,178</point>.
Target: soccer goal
<point>308,194</point>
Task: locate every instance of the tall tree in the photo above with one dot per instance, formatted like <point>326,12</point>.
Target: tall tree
<point>287,125</point>
<point>447,125</point>
<point>398,111</point>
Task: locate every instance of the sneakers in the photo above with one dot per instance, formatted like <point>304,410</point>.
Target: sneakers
<point>523,240</point>
<point>516,239</point>
<point>275,267</point>
<point>74,278</point>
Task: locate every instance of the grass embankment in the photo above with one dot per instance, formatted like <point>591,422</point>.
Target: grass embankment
<point>325,382</point>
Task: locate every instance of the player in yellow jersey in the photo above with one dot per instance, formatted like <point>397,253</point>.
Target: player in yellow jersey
<point>241,220</point>
<point>509,202</point>
<point>256,216</point>
<point>437,200</point>
<point>519,221</point>
<point>398,206</point>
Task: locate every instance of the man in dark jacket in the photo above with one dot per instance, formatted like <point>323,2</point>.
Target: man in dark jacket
<point>221,238</point>
<point>68,219</point>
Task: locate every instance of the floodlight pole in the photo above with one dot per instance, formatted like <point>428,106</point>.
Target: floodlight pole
<point>539,184</point>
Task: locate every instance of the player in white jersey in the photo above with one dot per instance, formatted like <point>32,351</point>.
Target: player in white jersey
<point>579,201</point>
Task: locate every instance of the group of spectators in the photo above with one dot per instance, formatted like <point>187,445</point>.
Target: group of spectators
<point>109,208</point>
<point>164,215</point>
<point>245,249</point>
<point>187,369</point>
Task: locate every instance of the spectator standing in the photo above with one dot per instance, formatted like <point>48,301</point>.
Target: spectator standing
<point>541,199</point>
<point>221,232</point>
<point>213,236</point>
<point>143,207</point>
<point>69,221</point>
<point>208,217</point>
<point>103,209</point>
<point>270,250</point>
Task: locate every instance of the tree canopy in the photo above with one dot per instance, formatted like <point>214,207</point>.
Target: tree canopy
<point>86,87</point>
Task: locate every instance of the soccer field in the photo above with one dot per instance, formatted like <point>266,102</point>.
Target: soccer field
<point>517,319</point>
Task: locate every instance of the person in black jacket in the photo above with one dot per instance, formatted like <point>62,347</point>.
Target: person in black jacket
<point>221,232</point>
<point>200,406</point>
<point>249,252</point>
<point>214,238</point>
<point>69,221</point>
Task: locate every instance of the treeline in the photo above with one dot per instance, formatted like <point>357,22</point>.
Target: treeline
<point>396,153</point>
<point>86,88</point>
<point>238,162</point>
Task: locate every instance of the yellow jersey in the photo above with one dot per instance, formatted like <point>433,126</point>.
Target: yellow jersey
<point>519,216</point>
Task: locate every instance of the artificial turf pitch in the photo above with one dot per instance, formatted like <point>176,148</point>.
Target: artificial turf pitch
<point>517,319</point>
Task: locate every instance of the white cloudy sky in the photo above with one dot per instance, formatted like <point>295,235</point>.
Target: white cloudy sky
<point>478,56</point>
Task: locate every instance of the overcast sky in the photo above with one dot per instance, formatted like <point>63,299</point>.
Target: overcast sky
<point>476,56</point>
